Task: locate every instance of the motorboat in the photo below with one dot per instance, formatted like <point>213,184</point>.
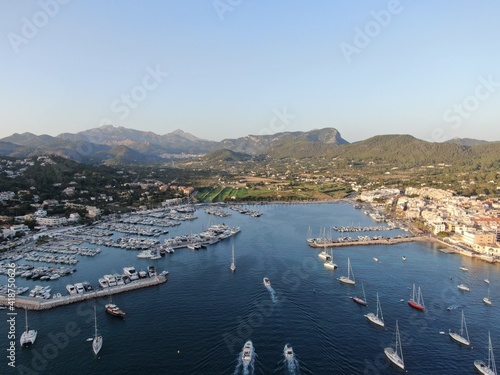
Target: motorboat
<point>288,352</point>
<point>114,310</point>
<point>142,274</point>
<point>29,335</point>
<point>131,272</point>
<point>79,288</point>
<point>103,283</point>
<point>71,289</point>
<point>247,353</point>
<point>465,269</point>
<point>463,287</point>
<point>151,271</point>
<point>267,282</point>
<point>111,279</point>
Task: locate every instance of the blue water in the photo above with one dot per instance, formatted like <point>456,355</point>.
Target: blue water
<point>199,320</point>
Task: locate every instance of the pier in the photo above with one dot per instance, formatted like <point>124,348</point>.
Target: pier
<point>383,241</point>
<point>29,303</point>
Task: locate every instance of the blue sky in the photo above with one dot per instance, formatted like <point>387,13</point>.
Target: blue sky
<point>227,68</point>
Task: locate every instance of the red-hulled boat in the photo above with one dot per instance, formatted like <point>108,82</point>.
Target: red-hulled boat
<point>112,309</point>
<point>417,303</point>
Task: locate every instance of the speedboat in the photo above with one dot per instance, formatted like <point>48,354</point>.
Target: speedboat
<point>71,289</point>
<point>288,352</point>
<point>465,269</point>
<point>247,354</point>
<point>463,287</point>
<point>114,310</point>
<point>267,282</point>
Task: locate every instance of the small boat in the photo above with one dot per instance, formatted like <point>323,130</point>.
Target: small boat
<point>247,354</point>
<point>375,259</point>
<point>418,302</point>
<point>71,289</point>
<point>233,266</point>
<point>349,279</point>
<point>463,287</point>
<point>487,281</point>
<point>267,282</point>
<point>460,338</point>
<point>288,352</point>
<point>377,318</point>
<point>404,258</point>
<point>97,340</point>
<point>361,301</point>
<point>29,335</point>
<point>465,269</point>
<point>487,368</point>
<point>487,300</point>
<point>114,310</point>
<point>395,355</point>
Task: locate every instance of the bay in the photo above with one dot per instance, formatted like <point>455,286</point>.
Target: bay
<point>199,320</point>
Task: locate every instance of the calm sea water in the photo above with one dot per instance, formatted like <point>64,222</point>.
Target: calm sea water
<point>199,320</point>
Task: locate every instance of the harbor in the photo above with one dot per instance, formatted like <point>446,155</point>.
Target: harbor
<point>29,303</point>
<point>381,241</point>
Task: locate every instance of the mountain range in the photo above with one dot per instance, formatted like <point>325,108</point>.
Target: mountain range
<point>118,145</point>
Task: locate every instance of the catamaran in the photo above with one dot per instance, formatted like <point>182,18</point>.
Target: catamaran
<point>460,338</point>
<point>361,301</point>
<point>349,279</point>
<point>417,303</point>
<point>395,355</point>
<point>233,266</point>
<point>377,318</point>
<point>29,335</point>
<point>97,341</point>
<point>329,262</point>
<point>490,368</point>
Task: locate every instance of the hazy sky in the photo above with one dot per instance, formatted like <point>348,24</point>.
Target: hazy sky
<point>228,68</point>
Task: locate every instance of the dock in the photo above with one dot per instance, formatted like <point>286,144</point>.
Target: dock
<point>30,303</point>
<point>383,241</point>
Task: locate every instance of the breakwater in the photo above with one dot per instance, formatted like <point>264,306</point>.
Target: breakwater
<point>30,303</point>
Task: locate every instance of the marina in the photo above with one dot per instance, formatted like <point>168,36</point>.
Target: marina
<point>208,306</point>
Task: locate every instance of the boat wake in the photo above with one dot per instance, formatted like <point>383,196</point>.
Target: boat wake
<point>272,292</point>
<point>245,368</point>
<point>292,366</point>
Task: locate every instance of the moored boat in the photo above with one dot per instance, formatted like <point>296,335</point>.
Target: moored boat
<point>463,287</point>
<point>463,337</point>
<point>395,355</point>
<point>349,279</point>
<point>29,335</point>
<point>417,301</point>
<point>489,368</point>
<point>377,318</point>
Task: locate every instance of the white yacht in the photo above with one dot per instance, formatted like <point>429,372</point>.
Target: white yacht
<point>247,354</point>
<point>79,288</point>
<point>489,368</point>
<point>463,287</point>
<point>463,337</point>
<point>29,335</point>
<point>131,272</point>
<point>349,279</point>
<point>103,283</point>
<point>71,289</point>
<point>377,318</point>
<point>97,341</point>
<point>111,279</point>
<point>395,355</point>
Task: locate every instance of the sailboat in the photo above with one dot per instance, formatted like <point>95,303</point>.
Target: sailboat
<point>395,355</point>
<point>417,303</point>
<point>349,279</point>
<point>489,368</point>
<point>377,318</point>
<point>329,263</point>
<point>97,341</point>
<point>361,301</point>
<point>29,335</point>
<point>460,338</point>
<point>487,300</point>
<point>233,266</point>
